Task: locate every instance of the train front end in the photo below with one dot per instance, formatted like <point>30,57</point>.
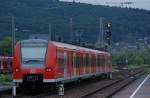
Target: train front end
<point>33,62</point>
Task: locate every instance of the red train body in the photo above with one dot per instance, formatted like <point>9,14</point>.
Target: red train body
<point>53,62</point>
<point>5,64</point>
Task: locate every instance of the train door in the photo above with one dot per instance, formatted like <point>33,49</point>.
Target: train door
<point>87,63</point>
<point>74,64</point>
<point>70,64</point>
<point>81,64</point>
<point>92,63</point>
<point>65,64</point>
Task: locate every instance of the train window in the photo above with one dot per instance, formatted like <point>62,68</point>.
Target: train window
<point>78,61</point>
<point>84,60</point>
<point>90,60</point>
<point>81,60</point>
<point>70,59</point>
<point>110,59</point>
<point>74,60</point>
<point>94,60</point>
<point>99,60</point>
<point>107,60</point>
<point>33,57</point>
<point>60,59</point>
<point>102,60</point>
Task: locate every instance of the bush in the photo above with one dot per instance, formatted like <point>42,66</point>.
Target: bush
<point>5,78</point>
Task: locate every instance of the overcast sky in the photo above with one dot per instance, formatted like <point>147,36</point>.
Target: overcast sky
<point>142,4</point>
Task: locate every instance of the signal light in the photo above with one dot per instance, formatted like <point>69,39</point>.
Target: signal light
<point>109,25</point>
<point>108,34</point>
<point>108,37</point>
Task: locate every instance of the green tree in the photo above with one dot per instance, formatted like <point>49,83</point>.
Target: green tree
<point>6,47</point>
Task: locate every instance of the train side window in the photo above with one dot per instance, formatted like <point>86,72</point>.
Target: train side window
<point>102,60</point>
<point>84,60</point>
<point>94,60</point>
<point>99,60</point>
<point>110,60</point>
<point>74,60</point>
<point>81,60</point>
<point>60,59</point>
<point>77,61</point>
<point>107,60</point>
<point>89,60</point>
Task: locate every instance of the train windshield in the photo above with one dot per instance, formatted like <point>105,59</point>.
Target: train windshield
<point>33,55</point>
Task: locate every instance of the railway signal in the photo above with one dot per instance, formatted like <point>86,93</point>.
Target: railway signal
<point>108,35</point>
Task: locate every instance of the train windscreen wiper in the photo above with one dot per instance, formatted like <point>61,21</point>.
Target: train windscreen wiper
<point>33,61</point>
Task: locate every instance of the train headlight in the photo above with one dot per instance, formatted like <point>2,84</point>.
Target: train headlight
<point>17,70</point>
<point>48,69</point>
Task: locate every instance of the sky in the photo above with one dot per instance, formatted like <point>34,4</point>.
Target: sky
<point>141,4</point>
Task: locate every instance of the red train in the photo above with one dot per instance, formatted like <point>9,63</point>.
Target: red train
<point>5,64</point>
<point>37,60</point>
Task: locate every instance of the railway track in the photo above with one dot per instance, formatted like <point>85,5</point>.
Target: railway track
<point>90,89</point>
<point>111,89</point>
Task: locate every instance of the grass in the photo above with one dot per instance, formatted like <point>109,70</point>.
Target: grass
<point>5,78</point>
<point>147,70</point>
<point>147,67</point>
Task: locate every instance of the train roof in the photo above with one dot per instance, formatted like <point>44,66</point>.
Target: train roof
<point>74,47</point>
<point>34,40</point>
<point>64,45</point>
